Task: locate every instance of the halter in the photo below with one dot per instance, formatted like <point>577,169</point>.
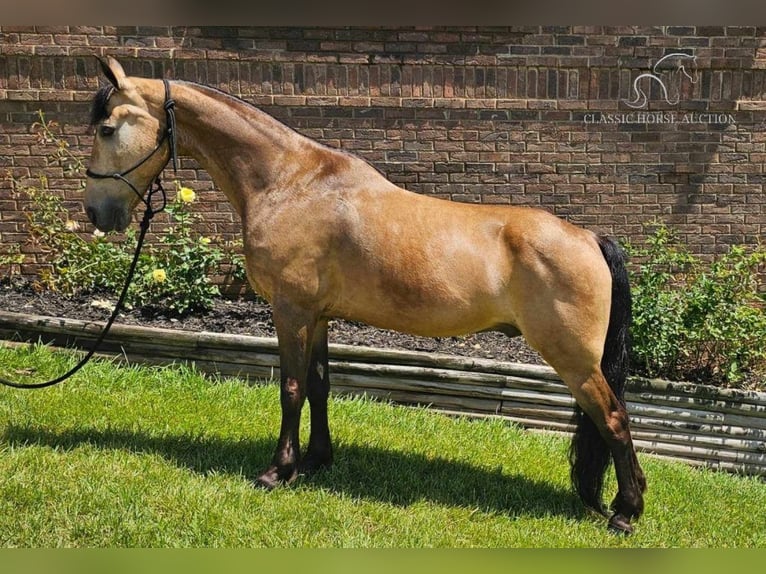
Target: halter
<point>170,135</point>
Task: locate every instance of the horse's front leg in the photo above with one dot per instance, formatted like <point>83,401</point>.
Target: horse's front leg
<point>295,332</point>
<point>319,452</point>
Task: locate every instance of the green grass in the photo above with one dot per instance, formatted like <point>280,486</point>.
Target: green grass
<point>136,456</point>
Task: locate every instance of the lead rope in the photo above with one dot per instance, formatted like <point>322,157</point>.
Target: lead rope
<point>149,213</point>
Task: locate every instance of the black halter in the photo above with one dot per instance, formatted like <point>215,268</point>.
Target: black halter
<point>169,135</point>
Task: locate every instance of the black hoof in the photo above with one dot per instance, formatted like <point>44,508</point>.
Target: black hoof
<point>618,524</point>
<point>274,477</point>
<point>312,464</point>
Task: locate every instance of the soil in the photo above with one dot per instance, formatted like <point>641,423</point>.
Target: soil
<point>249,316</point>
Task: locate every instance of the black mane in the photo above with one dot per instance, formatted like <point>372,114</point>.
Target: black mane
<point>98,109</point>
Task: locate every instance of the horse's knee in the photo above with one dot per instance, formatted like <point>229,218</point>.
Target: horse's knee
<point>291,388</point>
<point>292,394</point>
<point>318,389</point>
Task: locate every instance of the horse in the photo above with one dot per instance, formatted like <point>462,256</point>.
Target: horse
<point>326,235</point>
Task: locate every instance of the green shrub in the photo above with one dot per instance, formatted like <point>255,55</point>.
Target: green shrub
<point>11,259</point>
<point>176,274</point>
<point>74,263</point>
<point>694,320</point>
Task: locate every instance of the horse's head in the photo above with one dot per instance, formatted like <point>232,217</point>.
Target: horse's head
<point>129,147</point>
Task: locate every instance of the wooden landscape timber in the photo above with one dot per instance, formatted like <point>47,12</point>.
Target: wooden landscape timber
<point>701,425</point>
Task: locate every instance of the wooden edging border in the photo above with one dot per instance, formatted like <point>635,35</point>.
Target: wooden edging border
<point>701,425</point>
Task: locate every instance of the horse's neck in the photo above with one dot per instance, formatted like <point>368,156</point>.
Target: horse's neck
<point>237,144</point>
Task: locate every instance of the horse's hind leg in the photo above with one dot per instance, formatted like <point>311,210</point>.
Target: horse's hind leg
<point>319,452</point>
<point>576,313</point>
<point>603,431</point>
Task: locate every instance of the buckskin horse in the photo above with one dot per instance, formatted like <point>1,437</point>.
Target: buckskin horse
<point>327,236</point>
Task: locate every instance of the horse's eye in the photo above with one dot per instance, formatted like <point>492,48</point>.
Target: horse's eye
<point>107,130</point>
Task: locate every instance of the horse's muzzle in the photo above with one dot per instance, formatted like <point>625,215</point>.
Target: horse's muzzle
<point>109,218</point>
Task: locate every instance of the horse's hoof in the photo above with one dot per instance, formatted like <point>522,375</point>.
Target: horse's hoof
<point>273,478</point>
<point>618,524</point>
<point>312,464</point>
<point>268,480</point>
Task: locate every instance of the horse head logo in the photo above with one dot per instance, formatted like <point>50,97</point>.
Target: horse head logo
<point>676,70</point>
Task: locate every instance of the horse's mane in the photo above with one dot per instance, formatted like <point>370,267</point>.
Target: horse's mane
<point>98,109</point>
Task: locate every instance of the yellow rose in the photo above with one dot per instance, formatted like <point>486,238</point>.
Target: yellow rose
<point>159,275</point>
<point>187,194</point>
<point>204,240</point>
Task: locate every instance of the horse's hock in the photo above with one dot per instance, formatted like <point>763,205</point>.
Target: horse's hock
<point>704,426</point>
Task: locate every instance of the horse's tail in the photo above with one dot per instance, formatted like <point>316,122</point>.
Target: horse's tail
<point>589,454</point>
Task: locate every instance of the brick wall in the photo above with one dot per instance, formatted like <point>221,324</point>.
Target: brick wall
<point>533,115</point>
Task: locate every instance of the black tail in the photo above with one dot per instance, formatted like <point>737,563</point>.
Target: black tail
<point>589,454</point>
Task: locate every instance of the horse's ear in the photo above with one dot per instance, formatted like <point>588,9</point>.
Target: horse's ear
<point>113,72</point>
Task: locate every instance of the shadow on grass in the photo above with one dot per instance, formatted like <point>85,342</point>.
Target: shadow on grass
<point>359,471</point>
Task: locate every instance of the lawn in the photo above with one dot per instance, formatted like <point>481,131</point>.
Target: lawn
<point>138,456</point>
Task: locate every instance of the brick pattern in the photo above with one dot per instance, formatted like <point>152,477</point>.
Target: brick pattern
<point>495,115</point>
